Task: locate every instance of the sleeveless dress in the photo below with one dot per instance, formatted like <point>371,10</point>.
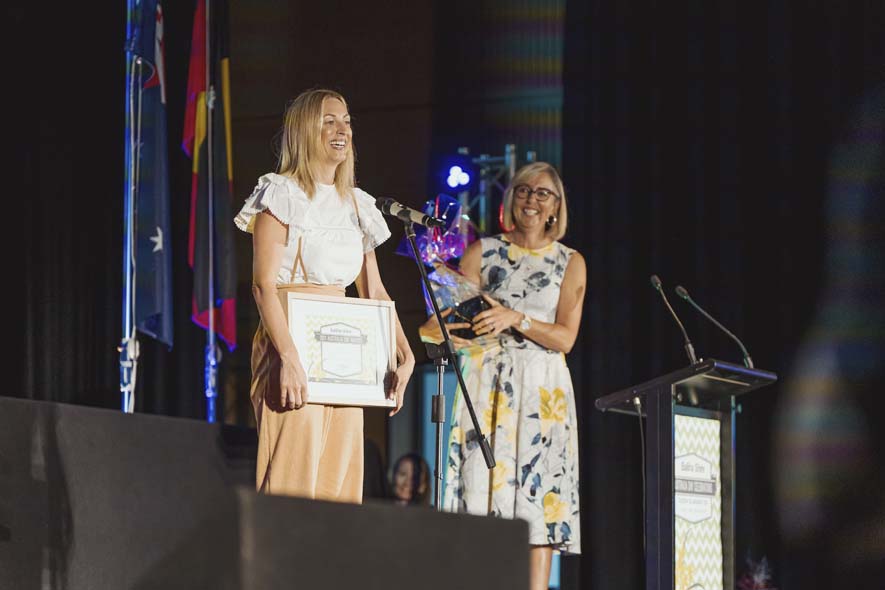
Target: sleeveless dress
<point>315,451</point>
<point>524,401</point>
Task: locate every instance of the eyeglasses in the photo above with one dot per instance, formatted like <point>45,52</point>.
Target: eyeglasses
<point>541,194</point>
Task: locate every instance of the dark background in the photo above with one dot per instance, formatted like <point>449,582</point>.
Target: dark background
<point>694,138</point>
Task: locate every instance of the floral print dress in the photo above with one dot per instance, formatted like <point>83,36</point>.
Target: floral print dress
<point>524,401</point>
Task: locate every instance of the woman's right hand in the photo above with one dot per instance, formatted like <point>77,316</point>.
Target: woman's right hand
<point>293,384</point>
<point>431,332</point>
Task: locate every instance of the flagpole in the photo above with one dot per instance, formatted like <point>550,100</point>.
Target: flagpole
<point>128,348</point>
<point>212,353</point>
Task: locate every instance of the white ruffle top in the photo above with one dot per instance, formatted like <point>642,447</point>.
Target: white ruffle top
<point>330,234</point>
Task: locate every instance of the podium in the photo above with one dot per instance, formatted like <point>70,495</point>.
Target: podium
<point>689,491</point>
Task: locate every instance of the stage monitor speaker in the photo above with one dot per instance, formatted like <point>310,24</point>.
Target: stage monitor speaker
<point>94,499</point>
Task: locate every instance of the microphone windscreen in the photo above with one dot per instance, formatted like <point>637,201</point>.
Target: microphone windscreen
<point>385,204</point>
<point>680,290</point>
<point>656,282</point>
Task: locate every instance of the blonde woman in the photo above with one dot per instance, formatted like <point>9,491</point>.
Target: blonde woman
<point>312,231</point>
<point>518,379</point>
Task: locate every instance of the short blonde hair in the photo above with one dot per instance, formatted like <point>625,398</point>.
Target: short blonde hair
<point>301,143</point>
<point>523,176</point>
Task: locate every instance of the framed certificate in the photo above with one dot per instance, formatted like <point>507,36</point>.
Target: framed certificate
<point>347,347</point>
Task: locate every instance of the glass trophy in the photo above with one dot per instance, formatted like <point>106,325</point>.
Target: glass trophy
<point>456,292</point>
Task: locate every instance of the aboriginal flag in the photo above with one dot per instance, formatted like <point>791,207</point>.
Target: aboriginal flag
<point>216,235</point>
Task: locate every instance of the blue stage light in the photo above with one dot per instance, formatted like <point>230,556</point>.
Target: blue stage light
<point>456,173</point>
<point>457,177</point>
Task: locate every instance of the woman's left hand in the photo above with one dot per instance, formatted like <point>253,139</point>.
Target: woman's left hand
<point>495,320</point>
<point>396,387</point>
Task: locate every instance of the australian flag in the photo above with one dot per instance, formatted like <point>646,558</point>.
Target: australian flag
<point>153,255</point>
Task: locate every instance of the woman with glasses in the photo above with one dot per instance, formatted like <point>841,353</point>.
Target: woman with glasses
<point>517,378</point>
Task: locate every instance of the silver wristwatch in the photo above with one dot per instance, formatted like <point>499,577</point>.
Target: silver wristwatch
<point>526,323</point>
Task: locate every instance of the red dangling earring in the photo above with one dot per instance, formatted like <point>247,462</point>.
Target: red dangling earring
<point>504,228</point>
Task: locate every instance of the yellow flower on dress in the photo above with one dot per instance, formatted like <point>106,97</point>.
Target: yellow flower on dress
<point>498,411</point>
<point>554,509</point>
<point>553,406</point>
<point>500,475</point>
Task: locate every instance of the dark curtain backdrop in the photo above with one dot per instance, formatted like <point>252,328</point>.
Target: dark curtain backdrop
<point>67,172</point>
<point>696,139</point>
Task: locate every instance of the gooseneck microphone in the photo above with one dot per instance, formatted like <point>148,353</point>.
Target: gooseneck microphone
<point>680,290</point>
<point>689,349</point>
<point>394,209</point>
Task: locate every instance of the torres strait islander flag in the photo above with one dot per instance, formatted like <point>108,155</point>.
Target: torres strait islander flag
<point>196,144</point>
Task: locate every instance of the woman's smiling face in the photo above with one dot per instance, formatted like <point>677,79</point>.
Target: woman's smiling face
<point>337,135</point>
<point>529,211</point>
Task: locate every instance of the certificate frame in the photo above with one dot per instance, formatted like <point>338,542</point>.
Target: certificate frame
<point>346,345</point>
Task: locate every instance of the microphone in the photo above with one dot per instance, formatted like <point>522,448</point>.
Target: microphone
<point>680,290</point>
<point>394,209</point>
<point>689,349</point>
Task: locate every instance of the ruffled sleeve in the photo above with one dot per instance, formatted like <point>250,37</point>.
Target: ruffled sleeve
<point>375,230</point>
<point>276,195</point>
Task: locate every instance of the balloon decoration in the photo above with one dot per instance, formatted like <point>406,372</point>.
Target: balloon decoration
<point>441,249</point>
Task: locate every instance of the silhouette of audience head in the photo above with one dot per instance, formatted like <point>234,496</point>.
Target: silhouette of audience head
<point>411,480</point>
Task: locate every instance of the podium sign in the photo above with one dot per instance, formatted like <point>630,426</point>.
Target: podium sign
<point>689,471</point>
<point>697,503</point>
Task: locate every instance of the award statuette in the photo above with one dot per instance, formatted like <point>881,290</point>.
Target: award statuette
<point>465,312</point>
<point>464,297</point>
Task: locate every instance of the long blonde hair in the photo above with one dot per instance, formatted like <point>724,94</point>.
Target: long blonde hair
<point>301,143</point>
<point>555,230</point>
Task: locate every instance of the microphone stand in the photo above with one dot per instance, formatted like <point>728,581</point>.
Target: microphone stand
<point>438,415</point>
<point>443,354</point>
